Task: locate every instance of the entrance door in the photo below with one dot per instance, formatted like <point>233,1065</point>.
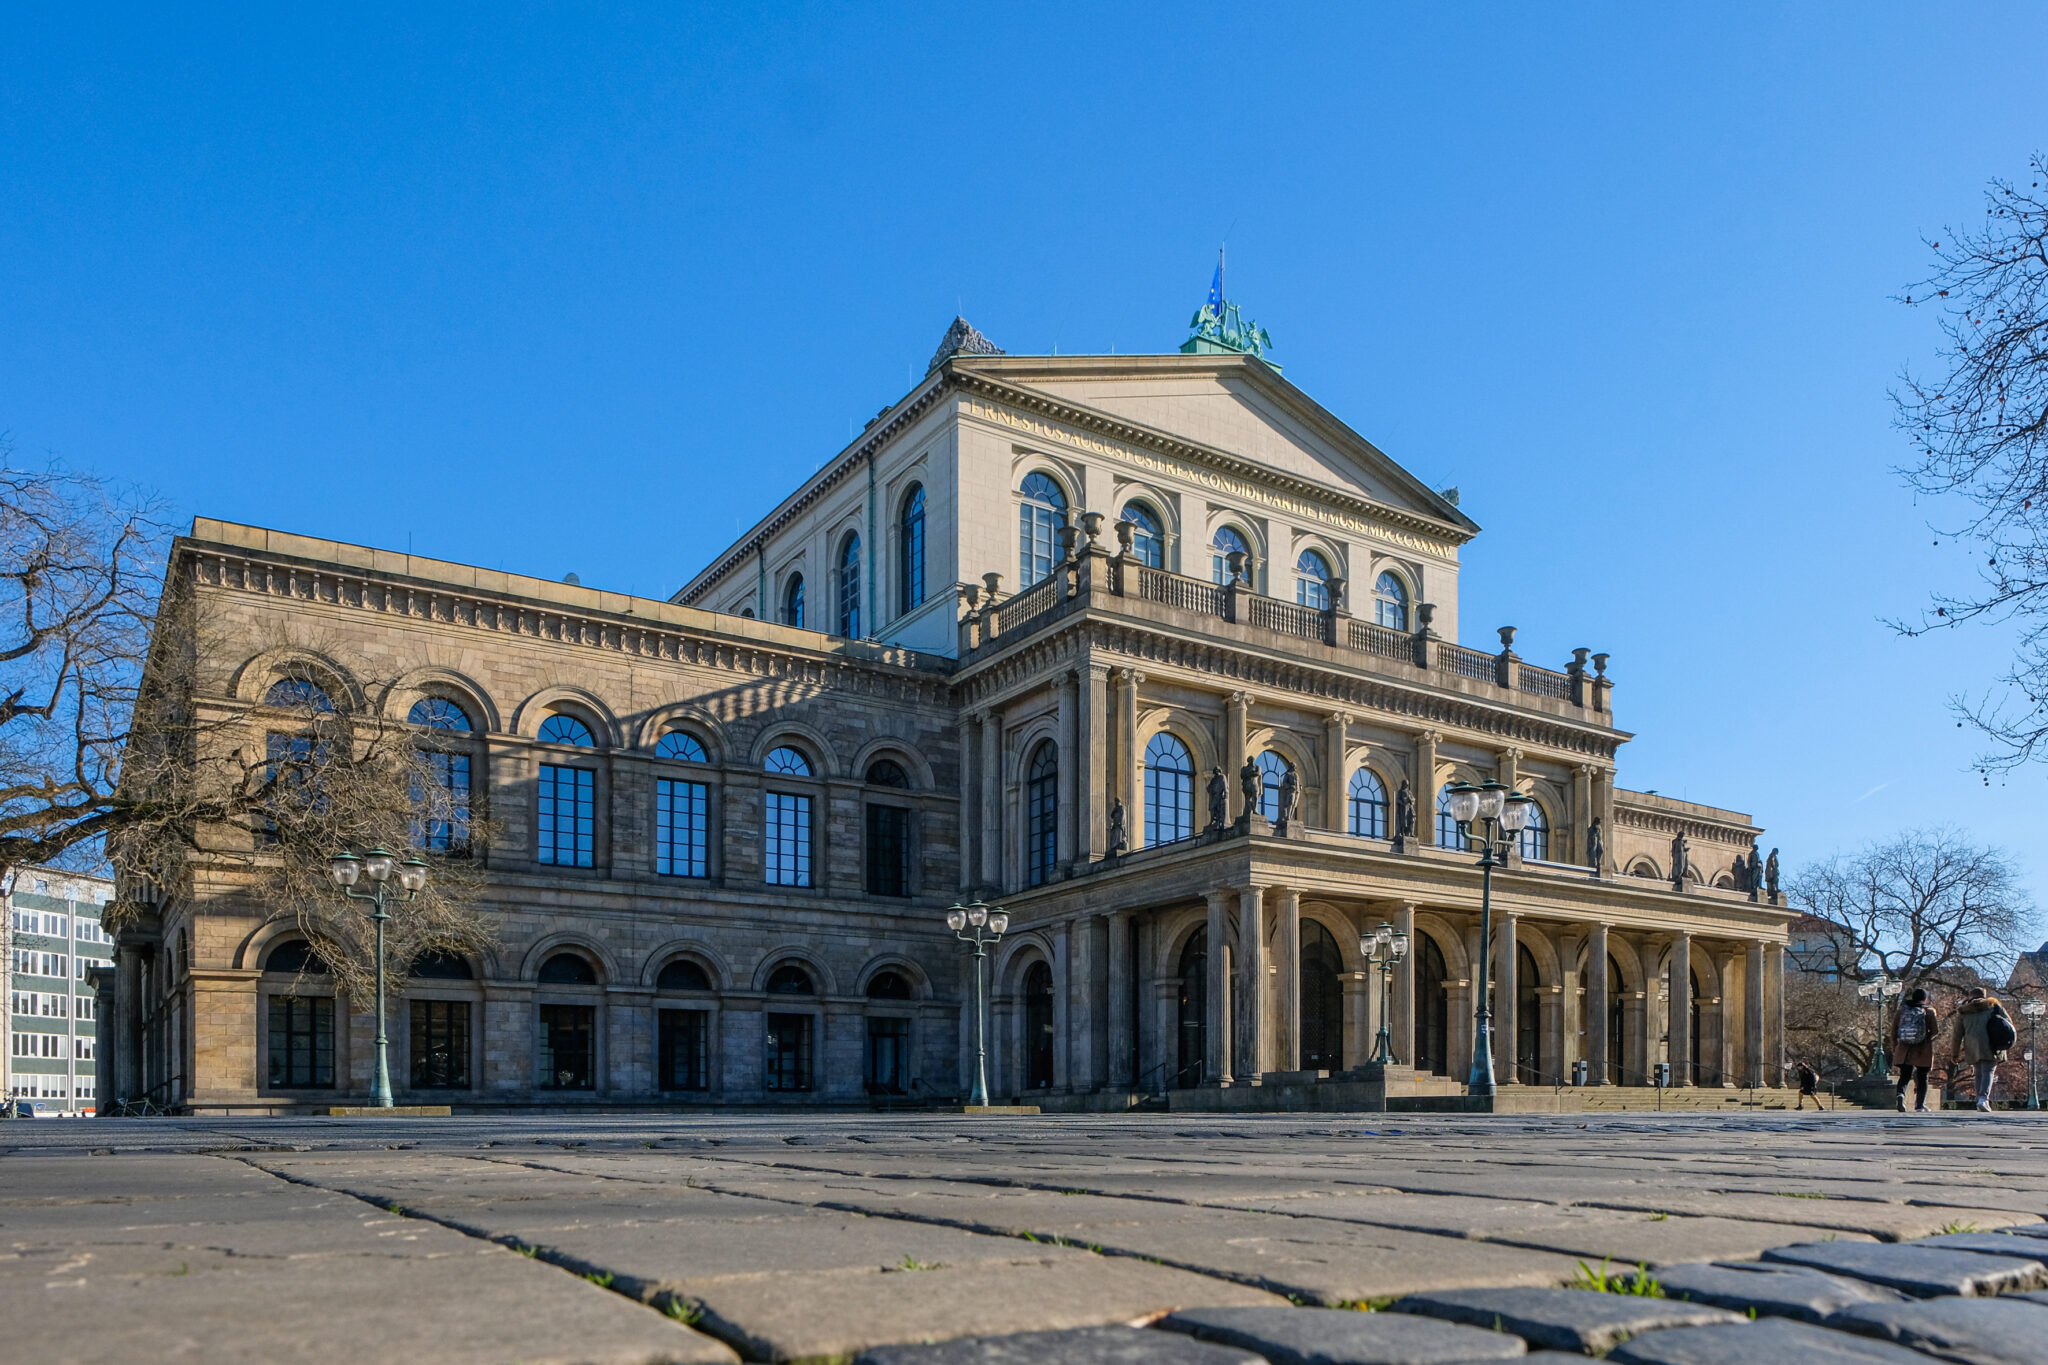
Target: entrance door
<point>1432,1010</point>
<point>1617,1012</point>
<point>1038,1039</point>
<point>1322,1000</point>
<point>1698,1069</point>
<point>1528,1022</point>
<point>1194,1010</point>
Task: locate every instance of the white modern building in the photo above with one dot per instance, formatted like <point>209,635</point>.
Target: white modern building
<point>53,939</point>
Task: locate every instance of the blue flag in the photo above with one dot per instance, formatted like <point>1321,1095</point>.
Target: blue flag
<point>1216,288</point>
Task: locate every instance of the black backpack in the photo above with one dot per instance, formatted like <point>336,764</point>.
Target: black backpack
<point>1998,1030</point>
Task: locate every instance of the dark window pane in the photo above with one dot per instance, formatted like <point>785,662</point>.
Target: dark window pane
<point>789,1052</point>
<point>1148,536</point>
<point>1368,805</point>
<point>294,955</point>
<point>888,851</point>
<point>568,969</point>
<point>438,713</point>
<point>1169,791</point>
<point>440,1044</point>
<point>682,975</point>
<point>1275,769</point>
<point>889,986</point>
<point>910,570</point>
<point>685,1048</point>
<point>1040,517</point>
<point>887,772</point>
<point>1041,815</point>
<point>442,967</point>
<point>296,694</point>
<point>301,1042</point>
<point>793,602</point>
<point>567,1061</point>
<point>566,816</point>
<point>889,1056</point>
<point>681,828</point>
<point>440,823</point>
<point>849,589</point>
<point>790,979</point>
<point>788,841</point>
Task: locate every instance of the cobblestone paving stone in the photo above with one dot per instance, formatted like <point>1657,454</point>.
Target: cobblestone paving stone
<point>1293,1336</point>
<point>1083,1346</point>
<point>830,1237</point>
<point>1760,1343</point>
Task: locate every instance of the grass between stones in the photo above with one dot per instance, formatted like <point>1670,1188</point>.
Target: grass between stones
<point>1642,1284</point>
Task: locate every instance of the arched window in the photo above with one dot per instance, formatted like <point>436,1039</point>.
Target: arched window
<point>565,729</point>
<point>1148,537</point>
<point>1041,807</point>
<point>1390,602</point>
<point>682,746</point>
<point>889,986</point>
<point>887,772</point>
<point>681,974</point>
<point>297,694</point>
<point>1535,840</point>
<point>1040,517</point>
<point>1194,1010</point>
<point>1226,539</point>
<point>787,762</point>
<point>438,713</point>
<point>1312,581</point>
<point>1368,805</point>
<point>295,956</point>
<point>793,601</point>
<point>568,969</point>
<point>1169,791</point>
<point>1274,769</point>
<point>1447,835</point>
<point>1038,1026</point>
<point>440,966</point>
<point>1322,999</point>
<point>910,550</point>
<point>790,979</point>
<point>849,588</point>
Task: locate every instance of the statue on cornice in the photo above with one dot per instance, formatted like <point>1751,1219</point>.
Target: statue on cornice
<point>1119,829</point>
<point>1219,798</point>
<point>1742,873</point>
<point>1771,876</point>
<point>1254,784</point>
<point>1404,817</point>
<point>1755,879</point>
<point>1680,859</point>
<point>1596,845</point>
<point>1290,792</point>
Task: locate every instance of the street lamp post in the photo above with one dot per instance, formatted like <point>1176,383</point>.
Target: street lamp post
<point>996,921</point>
<point>1880,989</point>
<point>1502,813</point>
<point>1384,947</point>
<point>378,865</point>
<point>2033,1009</point>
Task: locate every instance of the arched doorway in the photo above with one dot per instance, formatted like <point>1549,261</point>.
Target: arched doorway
<point>1194,1010</point>
<point>1322,999</point>
<point>1528,1022</point>
<point>1697,1067</point>
<point>1038,1027</point>
<point>1432,1010</point>
<point>1617,1012</point>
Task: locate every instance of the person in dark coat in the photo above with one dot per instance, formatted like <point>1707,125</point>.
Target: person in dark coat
<point>1973,1040</point>
<point>1913,1032</point>
<point>1809,1087</point>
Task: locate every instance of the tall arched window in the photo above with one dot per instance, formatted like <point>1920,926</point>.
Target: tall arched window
<point>565,810</point>
<point>786,844</point>
<point>1312,580</point>
<point>849,588</point>
<point>1041,814</point>
<point>793,601</point>
<point>1227,539</point>
<point>1390,602</point>
<point>1447,835</point>
<point>1040,517</point>
<point>1148,536</point>
<point>1368,805</point>
<point>910,551</point>
<point>1274,769</point>
<point>1535,841</point>
<point>1169,791</point>
<point>440,822</point>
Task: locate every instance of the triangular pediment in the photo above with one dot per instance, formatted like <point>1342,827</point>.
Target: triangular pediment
<point>1233,404</point>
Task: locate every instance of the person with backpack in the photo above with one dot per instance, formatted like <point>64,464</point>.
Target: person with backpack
<point>1809,1086</point>
<point>1983,1032</point>
<point>1913,1032</point>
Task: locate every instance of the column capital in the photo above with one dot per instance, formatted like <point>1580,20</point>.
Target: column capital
<point>1512,754</point>
<point>1429,737</point>
<point>1337,718</point>
<point>1584,770</point>
<point>1240,698</point>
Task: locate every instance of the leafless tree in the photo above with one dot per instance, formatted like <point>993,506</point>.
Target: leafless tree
<point>1828,1027</point>
<point>1980,436</point>
<point>1926,906</point>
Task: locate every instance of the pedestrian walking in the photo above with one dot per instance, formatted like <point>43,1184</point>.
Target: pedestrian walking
<point>1913,1033</point>
<point>1809,1087</point>
<point>1983,1032</point>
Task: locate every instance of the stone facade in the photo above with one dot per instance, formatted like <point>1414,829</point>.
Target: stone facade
<point>1052,747</point>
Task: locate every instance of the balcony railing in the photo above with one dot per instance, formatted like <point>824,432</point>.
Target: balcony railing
<point>1086,573</point>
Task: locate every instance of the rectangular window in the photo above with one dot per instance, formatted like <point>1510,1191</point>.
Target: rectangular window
<point>442,822</point>
<point>788,844</point>
<point>440,1045</point>
<point>567,1058</point>
<point>81,1049</point>
<point>889,1056</point>
<point>567,816</point>
<point>53,1006</point>
<point>54,964</point>
<point>685,1050</point>
<point>301,1041</point>
<point>53,925</point>
<point>888,851</point>
<point>681,828</point>
<point>789,1052</point>
<point>86,1007</point>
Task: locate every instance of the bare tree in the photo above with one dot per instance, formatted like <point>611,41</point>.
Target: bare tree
<point>1828,1027</point>
<point>1980,434</point>
<point>1927,906</point>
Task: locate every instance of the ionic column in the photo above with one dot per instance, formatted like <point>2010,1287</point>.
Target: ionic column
<point>1255,1050</point>
<point>970,801</point>
<point>1217,1026</point>
<point>1774,1014</point>
<point>1403,1009</point>
<point>1753,1016</point>
<point>1422,785</point>
<point>1287,984</point>
<point>1125,785</point>
<point>1597,1006</point>
<point>1335,792</point>
<point>1506,1000</point>
<point>1233,750</point>
<point>1094,766</point>
<point>1121,986</point>
<point>991,774</point>
<point>1678,1009</point>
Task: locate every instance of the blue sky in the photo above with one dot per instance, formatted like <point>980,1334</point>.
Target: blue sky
<point>554,289</point>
